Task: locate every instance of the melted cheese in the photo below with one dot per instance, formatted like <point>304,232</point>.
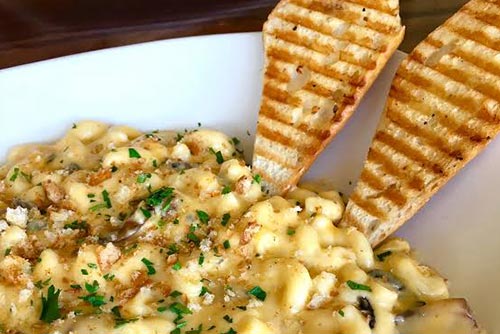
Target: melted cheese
<point>171,233</point>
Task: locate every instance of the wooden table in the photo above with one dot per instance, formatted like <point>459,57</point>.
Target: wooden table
<point>33,30</point>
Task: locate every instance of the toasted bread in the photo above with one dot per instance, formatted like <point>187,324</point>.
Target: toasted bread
<point>443,109</point>
<point>321,56</point>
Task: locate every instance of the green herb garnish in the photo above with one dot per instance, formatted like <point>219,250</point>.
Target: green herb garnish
<point>203,216</point>
<point>149,265</point>
<point>132,153</point>
<point>356,286</point>
<point>228,318</point>
<point>177,266</point>
<point>257,178</point>
<point>226,244</point>
<point>143,177</point>
<point>225,219</point>
<point>226,190</point>
<point>50,305</point>
<point>258,293</point>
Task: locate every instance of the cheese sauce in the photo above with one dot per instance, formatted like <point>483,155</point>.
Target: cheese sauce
<point>113,231</point>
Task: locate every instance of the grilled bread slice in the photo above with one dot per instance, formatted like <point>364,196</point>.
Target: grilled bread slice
<point>321,56</point>
<point>443,109</point>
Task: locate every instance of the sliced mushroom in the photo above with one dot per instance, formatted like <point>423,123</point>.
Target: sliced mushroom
<point>447,316</point>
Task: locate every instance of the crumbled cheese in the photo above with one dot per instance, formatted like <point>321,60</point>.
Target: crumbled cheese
<point>24,295</point>
<point>316,301</point>
<point>208,299</point>
<point>228,295</point>
<point>51,236</point>
<point>17,216</point>
<point>109,255</point>
<point>123,195</point>
<point>71,315</point>
<point>253,303</point>
<point>297,209</point>
<point>3,225</point>
<point>60,217</point>
<point>205,245</point>
<point>194,307</point>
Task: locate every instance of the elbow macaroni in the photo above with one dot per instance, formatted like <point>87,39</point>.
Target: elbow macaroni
<point>210,252</point>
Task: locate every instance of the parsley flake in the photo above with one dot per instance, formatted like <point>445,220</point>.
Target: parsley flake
<point>132,153</point>
<point>149,265</point>
<point>356,286</point>
<point>203,216</point>
<point>257,178</point>
<point>141,178</point>
<point>225,219</point>
<point>228,318</point>
<point>258,293</point>
<point>226,190</point>
<point>226,244</point>
<point>50,305</point>
<point>177,266</point>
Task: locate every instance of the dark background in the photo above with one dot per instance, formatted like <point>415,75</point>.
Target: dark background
<point>39,29</point>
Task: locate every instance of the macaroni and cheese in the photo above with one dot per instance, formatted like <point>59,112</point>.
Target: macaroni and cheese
<point>110,230</point>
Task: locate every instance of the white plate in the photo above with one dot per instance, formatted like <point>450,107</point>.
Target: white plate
<point>215,80</point>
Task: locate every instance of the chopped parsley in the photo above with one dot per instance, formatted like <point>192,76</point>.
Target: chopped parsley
<point>225,219</point>
<point>201,259</point>
<point>109,277</point>
<point>179,309</point>
<point>175,294</point>
<point>226,190</point>
<point>155,163</point>
<point>356,286</point>
<point>76,225</point>
<point>149,265</point>
<point>236,141</point>
<point>204,291</point>
<point>381,257</point>
<point>92,288</point>
<point>132,153</point>
<point>105,197</point>
<point>94,299</point>
<point>257,178</point>
<point>76,286</point>
<point>226,244</point>
<point>14,175</point>
<point>341,313</point>
<point>258,293</point>
<point>162,309</point>
<point>290,231</point>
<point>141,178</point>
<point>193,237</point>
<point>50,305</point>
<point>177,266</point>
<point>40,284</point>
<point>84,271</point>
<point>119,320</point>
<point>203,216</point>
<point>228,318</point>
<point>218,156</point>
<point>145,213</point>
<point>159,196</point>
<point>243,308</point>
<point>173,249</point>
<point>230,331</point>
<point>7,251</point>
<point>92,265</point>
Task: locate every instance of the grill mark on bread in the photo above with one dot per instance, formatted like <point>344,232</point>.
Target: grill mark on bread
<point>386,191</point>
<point>277,94</point>
<point>270,155</point>
<point>474,107</point>
<point>425,132</point>
<point>370,5</point>
<point>404,95</point>
<point>313,87</point>
<point>410,152</point>
<point>270,112</point>
<point>284,55</point>
<point>278,137</point>
<point>483,63</point>
<point>390,167</point>
<point>451,76</point>
<point>322,28</point>
<point>483,87</point>
<point>368,205</point>
<point>469,32</point>
<point>339,11</point>
<point>484,14</point>
<point>294,38</point>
